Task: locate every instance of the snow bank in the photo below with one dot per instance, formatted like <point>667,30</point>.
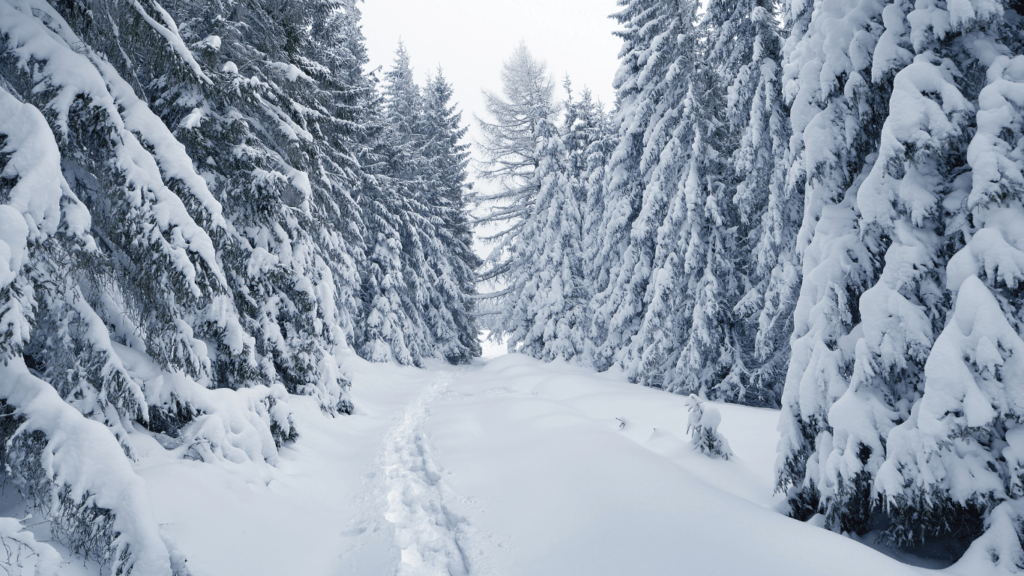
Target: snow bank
<point>88,470</point>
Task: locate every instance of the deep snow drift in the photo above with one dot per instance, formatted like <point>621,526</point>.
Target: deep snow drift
<point>509,466</point>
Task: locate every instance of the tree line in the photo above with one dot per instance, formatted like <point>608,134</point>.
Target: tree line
<point>815,206</point>
<point>203,206</point>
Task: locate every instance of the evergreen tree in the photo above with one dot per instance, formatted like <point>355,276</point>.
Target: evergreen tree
<point>418,294</point>
<point>547,308</point>
<point>392,329</point>
<point>546,296</point>
<point>585,138</point>
<point>592,179</point>
<point>835,113</point>
<point>448,162</point>
<point>918,169</point>
<point>510,151</point>
<point>582,128</point>
<point>952,459</point>
<point>261,127</point>
<point>903,410</point>
<point>702,425</point>
<point>115,276</point>
<point>666,313</point>
<point>403,108</point>
<point>659,42</point>
<point>745,47</point>
<point>712,356</point>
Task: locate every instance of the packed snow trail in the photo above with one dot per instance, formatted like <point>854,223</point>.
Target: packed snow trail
<point>507,467</point>
<point>425,530</point>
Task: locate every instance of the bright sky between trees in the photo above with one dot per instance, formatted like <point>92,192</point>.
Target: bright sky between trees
<point>470,39</point>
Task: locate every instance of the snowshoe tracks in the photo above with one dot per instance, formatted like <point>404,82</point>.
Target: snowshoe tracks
<point>426,532</point>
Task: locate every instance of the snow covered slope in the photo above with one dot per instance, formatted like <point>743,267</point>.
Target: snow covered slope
<point>510,466</point>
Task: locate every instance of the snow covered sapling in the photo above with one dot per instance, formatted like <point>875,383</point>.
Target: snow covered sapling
<point>703,429</point>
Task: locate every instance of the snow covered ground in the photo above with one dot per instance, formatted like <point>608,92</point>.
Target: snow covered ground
<point>509,466</point>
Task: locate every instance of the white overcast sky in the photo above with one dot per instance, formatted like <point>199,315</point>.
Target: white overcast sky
<point>470,39</point>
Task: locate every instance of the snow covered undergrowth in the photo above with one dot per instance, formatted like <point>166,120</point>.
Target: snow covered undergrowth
<point>509,466</point>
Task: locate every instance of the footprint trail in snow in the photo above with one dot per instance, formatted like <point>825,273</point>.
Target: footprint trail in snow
<point>426,531</point>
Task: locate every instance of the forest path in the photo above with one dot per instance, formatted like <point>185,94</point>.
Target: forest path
<point>507,467</point>
<point>426,531</point>
<point>325,508</point>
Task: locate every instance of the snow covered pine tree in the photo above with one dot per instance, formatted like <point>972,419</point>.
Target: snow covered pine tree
<point>417,268</point>
<point>834,116</point>
<point>182,232</point>
<point>107,274</point>
<point>955,460</point>
<point>899,408</point>
<point>448,176</point>
<point>673,277</point>
<point>745,45</point>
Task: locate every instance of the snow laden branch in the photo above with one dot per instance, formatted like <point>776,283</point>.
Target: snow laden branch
<point>25,556</point>
<point>70,467</point>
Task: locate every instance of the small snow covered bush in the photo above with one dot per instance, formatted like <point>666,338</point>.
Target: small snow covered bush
<point>703,429</point>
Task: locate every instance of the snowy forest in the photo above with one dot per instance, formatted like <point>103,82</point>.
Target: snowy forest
<point>218,224</point>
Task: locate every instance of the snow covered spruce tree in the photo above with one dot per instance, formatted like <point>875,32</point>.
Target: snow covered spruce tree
<point>702,425</point>
<point>115,302</point>
<point>745,46</point>
<point>914,183</point>
<point>427,132</point>
<point>392,329</point>
<point>448,185</point>
<point>712,359</point>
<point>953,461</point>
<point>546,309</point>
<point>585,139</point>
<point>673,268</point>
<point>725,192</point>
<point>649,89</point>
<point>588,142</point>
<point>603,141</point>
<point>835,115</point>
<point>898,400</point>
<point>104,515</point>
<point>418,265</point>
<point>273,130</point>
<point>546,296</point>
